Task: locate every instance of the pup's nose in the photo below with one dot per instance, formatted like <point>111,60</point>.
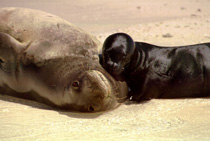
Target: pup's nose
<point>111,67</point>
<point>115,66</point>
<point>109,63</point>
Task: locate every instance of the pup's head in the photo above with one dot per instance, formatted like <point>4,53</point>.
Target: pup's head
<point>116,52</point>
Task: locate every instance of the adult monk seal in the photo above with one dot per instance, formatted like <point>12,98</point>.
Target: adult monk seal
<point>158,72</point>
<point>46,58</point>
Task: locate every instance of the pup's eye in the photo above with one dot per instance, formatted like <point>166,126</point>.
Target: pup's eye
<point>75,84</point>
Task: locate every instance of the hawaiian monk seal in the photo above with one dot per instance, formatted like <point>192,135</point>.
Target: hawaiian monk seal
<point>158,72</point>
<point>45,58</point>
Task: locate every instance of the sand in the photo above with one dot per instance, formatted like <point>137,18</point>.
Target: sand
<point>161,22</point>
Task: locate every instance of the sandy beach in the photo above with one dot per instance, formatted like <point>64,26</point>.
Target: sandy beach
<point>161,22</point>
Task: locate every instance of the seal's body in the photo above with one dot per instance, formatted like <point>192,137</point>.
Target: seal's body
<point>45,58</point>
<point>158,72</point>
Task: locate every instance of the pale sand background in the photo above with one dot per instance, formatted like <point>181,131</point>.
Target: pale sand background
<point>162,22</point>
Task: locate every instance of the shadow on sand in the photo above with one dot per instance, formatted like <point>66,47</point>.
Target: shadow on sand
<point>42,106</point>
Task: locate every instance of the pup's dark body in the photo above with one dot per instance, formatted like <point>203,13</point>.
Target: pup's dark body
<point>173,72</point>
<point>166,72</point>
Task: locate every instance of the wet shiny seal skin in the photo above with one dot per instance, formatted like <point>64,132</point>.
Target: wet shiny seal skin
<point>158,72</point>
<point>47,59</point>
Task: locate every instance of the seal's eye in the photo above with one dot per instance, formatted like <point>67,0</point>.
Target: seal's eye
<point>1,61</point>
<point>90,108</point>
<point>75,84</point>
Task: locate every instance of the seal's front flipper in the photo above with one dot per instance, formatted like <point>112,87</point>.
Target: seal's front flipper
<point>9,50</point>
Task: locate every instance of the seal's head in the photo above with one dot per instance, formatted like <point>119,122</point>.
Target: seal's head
<point>78,86</point>
<point>117,51</point>
<point>95,91</point>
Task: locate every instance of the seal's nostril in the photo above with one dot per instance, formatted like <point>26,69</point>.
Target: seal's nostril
<point>109,63</point>
<point>115,66</point>
<point>90,108</point>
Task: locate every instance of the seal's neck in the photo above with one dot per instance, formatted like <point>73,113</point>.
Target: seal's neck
<point>139,60</point>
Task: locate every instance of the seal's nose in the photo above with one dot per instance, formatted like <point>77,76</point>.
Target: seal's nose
<point>115,66</point>
<point>109,64</point>
<point>112,67</point>
<point>100,87</point>
<point>99,90</point>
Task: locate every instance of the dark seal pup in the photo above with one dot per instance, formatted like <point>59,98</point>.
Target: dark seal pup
<point>158,72</point>
<point>47,59</point>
